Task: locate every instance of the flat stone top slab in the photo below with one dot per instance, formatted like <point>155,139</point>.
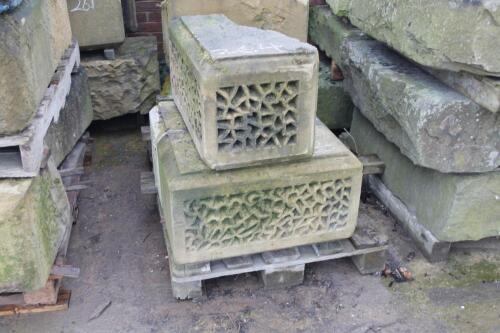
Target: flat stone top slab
<point>223,39</point>
<point>189,161</point>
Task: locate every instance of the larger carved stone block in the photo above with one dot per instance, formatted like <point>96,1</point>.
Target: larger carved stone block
<point>33,38</point>
<point>212,215</point>
<point>247,95</point>
<point>34,216</point>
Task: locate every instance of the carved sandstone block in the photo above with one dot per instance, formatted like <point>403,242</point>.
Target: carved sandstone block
<point>247,95</point>
<point>213,215</point>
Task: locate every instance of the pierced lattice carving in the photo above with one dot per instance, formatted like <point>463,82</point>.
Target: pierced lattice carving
<point>279,213</point>
<point>186,89</point>
<point>257,115</point>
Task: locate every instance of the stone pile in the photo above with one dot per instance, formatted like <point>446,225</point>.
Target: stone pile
<point>425,85</point>
<point>244,100</point>
<point>37,58</point>
<point>125,78</point>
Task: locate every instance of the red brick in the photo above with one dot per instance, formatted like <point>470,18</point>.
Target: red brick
<point>317,2</point>
<point>147,6</point>
<point>154,16</point>
<point>149,26</point>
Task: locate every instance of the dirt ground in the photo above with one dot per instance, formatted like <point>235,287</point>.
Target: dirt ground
<point>117,242</point>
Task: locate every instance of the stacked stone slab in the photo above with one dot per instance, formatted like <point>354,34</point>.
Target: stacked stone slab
<point>97,24</point>
<point>34,216</point>
<point>238,94</point>
<point>446,169</point>
<point>127,84</point>
<point>286,16</point>
<point>33,38</point>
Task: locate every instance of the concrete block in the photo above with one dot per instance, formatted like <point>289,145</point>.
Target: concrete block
<point>286,16</point>
<point>453,207</point>
<point>212,215</point>
<point>33,38</point>
<point>432,124</point>
<point>283,277</point>
<point>452,35</point>
<point>334,104</point>
<point>187,290</point>
<point>74,119</point>
<point>127,84</point>
<point>34,216</point>
<point>97,24</point>
<point>247,96</point>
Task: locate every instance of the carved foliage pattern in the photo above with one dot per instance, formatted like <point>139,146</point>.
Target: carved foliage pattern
<point>186,89</point>
<point>257,115</point>
<point>280,213</point>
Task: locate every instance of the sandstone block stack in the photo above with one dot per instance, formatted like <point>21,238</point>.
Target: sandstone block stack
<point>45,109</point>
<point>428,110</point>
<point>247,103</point>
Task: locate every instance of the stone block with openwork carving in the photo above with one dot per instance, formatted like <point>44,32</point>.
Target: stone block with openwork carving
<point>248,96</point>
<point>212,215</point>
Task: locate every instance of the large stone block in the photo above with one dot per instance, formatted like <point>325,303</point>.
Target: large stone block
<point>432,124</point>
<point>127,84</point>
<point>34,216</point>
<point>247,95</point>
<point>73,120</point>
<point>212,215</point>
<point>454,35</point>
<point>286,16</point>
<point>33,38</point>
<point>334,104</point>
<point>484,90</point>
<point>454,207</point>
<point>97,23</point>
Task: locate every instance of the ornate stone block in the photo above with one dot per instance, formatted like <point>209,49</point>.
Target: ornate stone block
<point>247,95</point>
<point>213,215</point>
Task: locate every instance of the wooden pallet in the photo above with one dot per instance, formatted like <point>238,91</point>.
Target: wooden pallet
<point>283,268</point>
<point>52,297</point>
<point>21,155</point>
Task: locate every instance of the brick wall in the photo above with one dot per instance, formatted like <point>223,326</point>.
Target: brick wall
<point>149,21</point>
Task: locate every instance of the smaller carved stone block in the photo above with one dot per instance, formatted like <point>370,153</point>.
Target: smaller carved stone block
<point>247,95</point>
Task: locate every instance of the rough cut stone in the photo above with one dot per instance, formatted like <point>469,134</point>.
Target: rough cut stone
<point>484,90</point>
<point>34,216</point>
<point>127,84</point>
<point>454,207</point>
<point>97,23</point>
<point>432,124</point>
<point>32,42</point>
<point>286,16</point>
<point>213,215</point>
<point>73,120</point>
<point>247,95</point>
<point>454,35</point>
<point>334,104</point>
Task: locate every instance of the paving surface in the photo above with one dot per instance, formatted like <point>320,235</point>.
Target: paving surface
<point>117,243</point>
